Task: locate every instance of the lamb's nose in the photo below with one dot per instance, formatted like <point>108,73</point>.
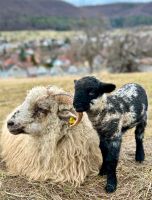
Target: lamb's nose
<point>10,123</point>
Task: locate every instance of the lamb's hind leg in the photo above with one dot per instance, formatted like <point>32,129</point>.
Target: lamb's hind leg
<point>139,135</point>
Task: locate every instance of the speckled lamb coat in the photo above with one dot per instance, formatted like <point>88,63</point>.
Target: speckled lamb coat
<point>112,115</point>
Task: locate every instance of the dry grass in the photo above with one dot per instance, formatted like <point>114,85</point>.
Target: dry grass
<point>135,180</point>
<point>19,36</point>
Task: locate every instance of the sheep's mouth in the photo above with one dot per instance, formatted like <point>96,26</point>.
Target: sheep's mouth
<point>17,131</point>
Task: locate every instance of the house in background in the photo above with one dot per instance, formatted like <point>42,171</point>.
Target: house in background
<point>42,71</point>
<point>37,71</point>
<point>17,72</point>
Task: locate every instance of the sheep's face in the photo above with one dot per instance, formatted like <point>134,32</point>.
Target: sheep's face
<point>36,114</point>
<point>87,89</point>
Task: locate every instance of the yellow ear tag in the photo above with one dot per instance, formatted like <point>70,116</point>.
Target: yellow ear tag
<point>72,120</point>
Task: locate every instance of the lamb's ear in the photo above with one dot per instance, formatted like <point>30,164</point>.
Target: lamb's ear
<point>107,87</point>
<point>75,81</point>
<point>67,115</point>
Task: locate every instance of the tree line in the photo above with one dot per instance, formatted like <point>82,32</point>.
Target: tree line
<point>66,23</point>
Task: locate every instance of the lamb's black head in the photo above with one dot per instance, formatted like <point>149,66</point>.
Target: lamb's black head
<point>87,89</point>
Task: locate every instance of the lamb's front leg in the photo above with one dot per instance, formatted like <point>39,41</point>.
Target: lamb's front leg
<point>113,148</point>
<point>104,151</point>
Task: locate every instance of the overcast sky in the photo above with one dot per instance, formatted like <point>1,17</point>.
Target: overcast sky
<point>93,2</point>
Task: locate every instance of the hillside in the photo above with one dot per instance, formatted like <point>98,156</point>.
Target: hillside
<point>120,9</point>
<point>59,15</point>
<point>27,14</point>
<point>122,14</point>
<point>37,8</point>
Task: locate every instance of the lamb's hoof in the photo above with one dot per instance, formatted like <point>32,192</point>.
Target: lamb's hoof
<point>110,188</point>
<point>140,158</point>
<point>102,172</point>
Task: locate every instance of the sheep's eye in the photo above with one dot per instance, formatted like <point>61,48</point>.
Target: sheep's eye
<point>38,111</point>
<point>42,110</point>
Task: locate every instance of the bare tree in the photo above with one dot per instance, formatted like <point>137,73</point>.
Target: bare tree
<point>90,46</point>
<point>123,54</point>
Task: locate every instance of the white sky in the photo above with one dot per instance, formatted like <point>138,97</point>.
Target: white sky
<point>92,2</point>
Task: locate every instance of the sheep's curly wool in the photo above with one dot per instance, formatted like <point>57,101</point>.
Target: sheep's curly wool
<point>51,149</point>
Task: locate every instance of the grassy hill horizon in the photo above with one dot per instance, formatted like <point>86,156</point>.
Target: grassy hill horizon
<point>60,15</point>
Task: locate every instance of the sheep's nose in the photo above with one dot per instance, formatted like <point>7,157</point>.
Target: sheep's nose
<point>10,123</point>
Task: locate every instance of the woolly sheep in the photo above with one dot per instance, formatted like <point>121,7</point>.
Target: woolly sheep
<point>37,141</point>
<point>112,115</point>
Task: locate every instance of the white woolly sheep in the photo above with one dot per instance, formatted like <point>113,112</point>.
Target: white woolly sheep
<point>37,141</point>
<point>112,115</point>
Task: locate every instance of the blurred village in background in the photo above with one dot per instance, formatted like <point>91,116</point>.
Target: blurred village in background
<point>82,53</point>
<point>91,47</point>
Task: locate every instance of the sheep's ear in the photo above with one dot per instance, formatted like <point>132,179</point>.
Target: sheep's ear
<point>67,115</point>
<point>107,87</point>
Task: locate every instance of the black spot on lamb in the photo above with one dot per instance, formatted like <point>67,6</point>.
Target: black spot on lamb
<point>112,115</point>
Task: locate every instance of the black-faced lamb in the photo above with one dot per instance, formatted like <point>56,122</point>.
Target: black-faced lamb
<point>112,115</point>
<point>38,142</point>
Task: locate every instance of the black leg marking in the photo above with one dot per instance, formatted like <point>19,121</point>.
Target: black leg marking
<point>139,135</point>
<point>104,151</point>
<point>111,176</point>
<point>111,156</point>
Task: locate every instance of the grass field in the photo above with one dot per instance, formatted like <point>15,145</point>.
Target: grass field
<point>134,180</point>
<point>18,36</point>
